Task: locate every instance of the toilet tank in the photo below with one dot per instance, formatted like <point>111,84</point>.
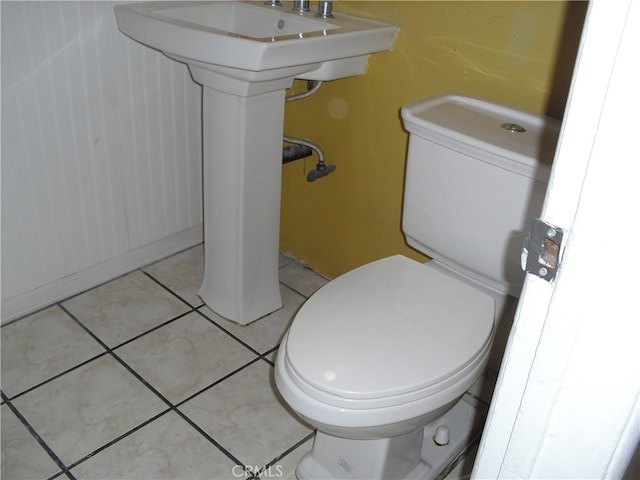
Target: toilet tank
<point>476,174</point>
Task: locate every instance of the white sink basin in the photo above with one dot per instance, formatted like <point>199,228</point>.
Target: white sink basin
<point>251,37</point>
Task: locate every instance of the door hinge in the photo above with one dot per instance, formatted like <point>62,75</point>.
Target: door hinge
<point>542,249</point>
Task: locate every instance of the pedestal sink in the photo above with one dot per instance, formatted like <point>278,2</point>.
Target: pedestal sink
<point>246,54</point>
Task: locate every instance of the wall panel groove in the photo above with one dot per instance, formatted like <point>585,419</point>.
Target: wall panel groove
<point>101,150</point>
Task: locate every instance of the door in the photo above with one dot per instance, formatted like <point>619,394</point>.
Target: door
<point>566,402</point>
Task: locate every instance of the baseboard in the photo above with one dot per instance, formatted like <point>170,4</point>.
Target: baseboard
<point>45,295</point>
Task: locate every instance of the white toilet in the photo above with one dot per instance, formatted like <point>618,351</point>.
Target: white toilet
<point>379,358</point>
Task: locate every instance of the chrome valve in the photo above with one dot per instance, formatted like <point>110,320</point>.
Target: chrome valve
<point>324,9</point>
<point>301,6</point>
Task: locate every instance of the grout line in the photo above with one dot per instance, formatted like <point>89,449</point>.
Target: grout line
<point>56,475</point>
<point>286,452</point>
<point>152,329</point>
<point>211,439</point>
<point>38,438</point>
<point>120,437</point>
<point>306,297</point>
<point>238,339</point>
<point>220,380</point>
<point>289,287</point>
<point>58,375</point>
<point>264,357</point>
<point>168,289</point>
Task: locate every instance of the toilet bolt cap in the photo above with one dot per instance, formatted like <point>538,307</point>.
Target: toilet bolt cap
<point>441,437</point>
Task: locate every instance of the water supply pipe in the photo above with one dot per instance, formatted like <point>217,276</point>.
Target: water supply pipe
<point>322,169</point>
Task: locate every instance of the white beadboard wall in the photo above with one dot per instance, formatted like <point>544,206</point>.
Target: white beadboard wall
<point>101,152</point>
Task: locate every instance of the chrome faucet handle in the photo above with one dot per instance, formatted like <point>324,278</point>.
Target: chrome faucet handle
<point>324,9</point>
<point>272,3</point>
<point>301,6</point>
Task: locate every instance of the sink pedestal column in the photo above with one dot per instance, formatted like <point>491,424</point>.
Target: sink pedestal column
<point>242,140</point>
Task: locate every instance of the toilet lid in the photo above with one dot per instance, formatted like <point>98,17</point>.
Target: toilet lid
<point>391,328</point>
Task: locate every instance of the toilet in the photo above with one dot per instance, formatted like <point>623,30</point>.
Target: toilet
<point>378,359</point>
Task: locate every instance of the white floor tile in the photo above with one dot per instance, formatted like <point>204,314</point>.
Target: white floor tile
<point>284,259</point>
<point>246,417</point>
<point>22,456</point>
<point>41,346</point>
<point>168,448</point>
<point>301,279</point>
<point>88,407</point>
<point>123,308</point>
<point>185,356</point>
<point>182,273</point>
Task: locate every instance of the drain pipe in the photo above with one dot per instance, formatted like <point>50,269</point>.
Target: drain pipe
<point>322,169</point>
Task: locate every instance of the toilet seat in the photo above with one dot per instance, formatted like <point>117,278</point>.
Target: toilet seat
<point>417,330</point>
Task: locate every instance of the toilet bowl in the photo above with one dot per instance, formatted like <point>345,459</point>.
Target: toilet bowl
<point>423,336</point>
<point>379,358</point>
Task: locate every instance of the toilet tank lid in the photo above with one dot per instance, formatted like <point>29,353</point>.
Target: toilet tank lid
<point>489,127</point>
<point>388,328</point>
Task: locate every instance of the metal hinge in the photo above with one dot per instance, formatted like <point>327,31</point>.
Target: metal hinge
<point>541,250</point>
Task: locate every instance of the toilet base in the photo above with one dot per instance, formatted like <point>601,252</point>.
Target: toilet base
<point>411,456</point>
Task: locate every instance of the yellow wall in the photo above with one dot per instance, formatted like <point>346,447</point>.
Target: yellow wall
<point>517,53</point>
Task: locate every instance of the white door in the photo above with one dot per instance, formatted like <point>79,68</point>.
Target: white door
<point>566,402</point>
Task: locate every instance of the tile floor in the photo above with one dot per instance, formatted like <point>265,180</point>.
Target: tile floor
<point>138,379</point>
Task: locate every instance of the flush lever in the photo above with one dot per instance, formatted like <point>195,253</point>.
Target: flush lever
<point>541,249</point>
